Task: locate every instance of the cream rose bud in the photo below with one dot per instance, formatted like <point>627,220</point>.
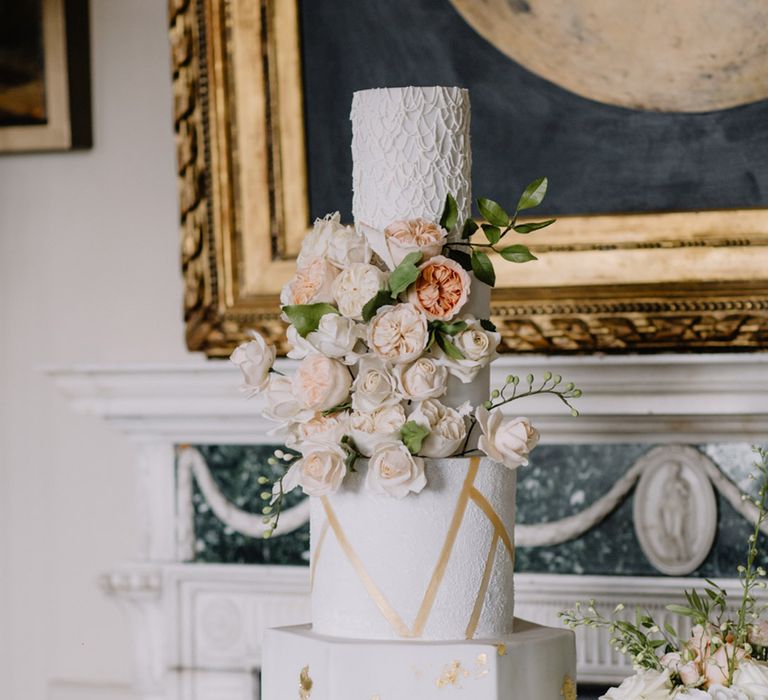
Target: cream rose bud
<point>422,379</point>
<point>319,472</point>
<point>338,337</point>
<point>441,289</point>
<point>478,346</point>
<point>319,430</point>
<point>300,347</point>
<point>505,440</point>
<point>280,403</point>
<point>398,333</point>
<point>321,383</point>
<point>310,284</point>
<point>447,428</point>
<point>404,237</point>
<point>330,239</point>
<point>255,359</point>
<point>751,677</point>
<point>374,386</point>
<point>381,425</point>
<point>687,669</point>
<point>355,286</point>
<point>646,685</point>
<point>394,471</point>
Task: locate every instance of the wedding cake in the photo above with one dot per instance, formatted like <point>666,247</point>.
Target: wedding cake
<point>409,463</point>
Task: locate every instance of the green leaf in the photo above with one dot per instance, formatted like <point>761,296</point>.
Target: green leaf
<point>533,194</point>
<point>533,226</point>
<point>337,408</point>
<point>306,317</point>
<point>483,268</point>
<point>405,274</point>
<point>470,226</point>
<point>382,298</point>
<point>487,325</point>
<point>492,233</point>
<point>681,610</point>
<point>413,434</point>
<point>517,254</point>
<point>448,347</point>
<point>451,328</point>
<point>461,257</point>
<point>450,213</point>
<point>493,212</point>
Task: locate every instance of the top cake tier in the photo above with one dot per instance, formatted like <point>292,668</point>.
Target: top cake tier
<point>410,148</point>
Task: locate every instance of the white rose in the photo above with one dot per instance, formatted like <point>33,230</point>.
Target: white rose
<point>347,247</point>
<point>370,429</point>
<point>398,333</point>
<point>321,383</point>
<point>692,694</point>
<point>751,678</point>
<point>319,430</point>
<point>394,471</point>
<point>300,347</point>
<point>319,472</point>
<point>404,237</point>
<point>478,347</point>
<point>374,386</point>
<point>281,404</point>
<point>505,440</point>
<point>310,284</point>
<point>423,379</point>
<point>447,427</point>
<point>339,337</point>
<point>720,692</point>
<point>355,286</point>
<point>255,359</point>
<point>646,685</point>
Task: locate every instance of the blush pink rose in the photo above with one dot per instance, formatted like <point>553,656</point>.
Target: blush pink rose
<point>404,237</point>
<point>311,284</point>
<point>441,288</point>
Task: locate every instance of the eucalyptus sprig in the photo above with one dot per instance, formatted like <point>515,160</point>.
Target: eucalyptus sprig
<point>515,389</point>
<point>498,223</point>
<point>639,639</point>
<point>274,499</point>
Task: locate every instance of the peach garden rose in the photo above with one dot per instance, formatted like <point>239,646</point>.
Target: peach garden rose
<point>408,236</point>
<point>311,284</point>
<point>441,288</point>
<point>398,333</point>
<point>321,383</point>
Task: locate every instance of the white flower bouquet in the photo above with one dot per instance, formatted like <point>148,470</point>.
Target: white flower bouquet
<point>378,323</point>
<point>725,655</point>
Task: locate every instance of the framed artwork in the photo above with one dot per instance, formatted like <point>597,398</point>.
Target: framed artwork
<point>649,124</point>
<point>44,76</point>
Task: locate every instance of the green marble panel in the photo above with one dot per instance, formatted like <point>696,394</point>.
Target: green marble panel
<point>561,480</point>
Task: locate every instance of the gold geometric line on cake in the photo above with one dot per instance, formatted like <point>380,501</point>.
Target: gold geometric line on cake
<point>468,492</point>
<point>370,585</point>
<point>316,555</point>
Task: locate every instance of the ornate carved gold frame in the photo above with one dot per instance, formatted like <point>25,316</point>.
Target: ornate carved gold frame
<point>680,281</point>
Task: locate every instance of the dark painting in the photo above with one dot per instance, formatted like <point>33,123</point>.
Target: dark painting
<point>599,158</point>
<point>22,80</point>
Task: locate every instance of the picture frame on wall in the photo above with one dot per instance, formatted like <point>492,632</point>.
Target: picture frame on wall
<point>661,242</point>
<point>44,76</point>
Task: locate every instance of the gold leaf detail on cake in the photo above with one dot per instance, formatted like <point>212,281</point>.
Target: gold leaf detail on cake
<point>481,665</point>
<point>305,684</point>
<point>501,649</point>
<point>452,675</point>
<point>568,691</point>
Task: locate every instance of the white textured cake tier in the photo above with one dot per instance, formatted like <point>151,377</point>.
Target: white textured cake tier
<point>434,565</point>
<point>410,148</point>
<point>534,663</point>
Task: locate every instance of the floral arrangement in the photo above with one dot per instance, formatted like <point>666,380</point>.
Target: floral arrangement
<point>378,323</point>
<point>725,655</point>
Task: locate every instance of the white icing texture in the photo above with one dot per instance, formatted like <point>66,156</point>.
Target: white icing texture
<point>407,548</point>
<point>410,148</point>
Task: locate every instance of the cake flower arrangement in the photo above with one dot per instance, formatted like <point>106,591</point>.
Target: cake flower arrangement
<point>724,658</point>
<point>378,324</point>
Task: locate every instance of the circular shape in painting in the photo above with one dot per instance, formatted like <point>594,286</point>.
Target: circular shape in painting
<point>680,56</point>
<point>675,510</point>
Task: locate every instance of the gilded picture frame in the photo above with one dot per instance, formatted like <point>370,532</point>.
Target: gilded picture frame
<point>615,283</point>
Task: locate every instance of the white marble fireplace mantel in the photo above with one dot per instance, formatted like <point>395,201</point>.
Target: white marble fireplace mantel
<point>197,627</point>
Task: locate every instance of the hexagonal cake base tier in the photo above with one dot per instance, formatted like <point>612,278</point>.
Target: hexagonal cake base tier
<point>533,663</point>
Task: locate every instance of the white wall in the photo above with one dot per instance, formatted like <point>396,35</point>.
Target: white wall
<point>88,273</point>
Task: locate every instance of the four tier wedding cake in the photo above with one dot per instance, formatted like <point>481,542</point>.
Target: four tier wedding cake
<point>402,446</point>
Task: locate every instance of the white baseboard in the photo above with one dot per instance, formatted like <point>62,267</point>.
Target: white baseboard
<point>85,690</point>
